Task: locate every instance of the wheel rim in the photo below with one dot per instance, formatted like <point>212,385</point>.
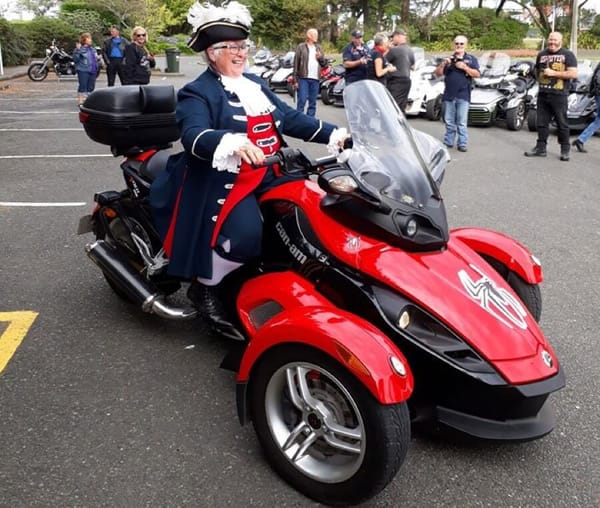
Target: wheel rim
<point>315,422</point>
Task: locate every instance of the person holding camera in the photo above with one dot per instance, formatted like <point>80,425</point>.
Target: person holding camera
<point>459,70</point>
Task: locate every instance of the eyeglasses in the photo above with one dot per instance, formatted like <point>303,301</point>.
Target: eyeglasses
<point>140,35</point>
<point>234,48</point>
<point>459,43</point>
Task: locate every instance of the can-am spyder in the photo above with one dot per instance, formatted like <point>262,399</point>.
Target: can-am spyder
<point>362,294</point>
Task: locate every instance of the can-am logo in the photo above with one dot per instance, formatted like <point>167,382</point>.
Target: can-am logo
<point>495,300</point>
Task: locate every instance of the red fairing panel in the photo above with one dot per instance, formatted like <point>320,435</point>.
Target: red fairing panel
<point>308,318</point>
<point>456,285</point>
<point>503,248</point>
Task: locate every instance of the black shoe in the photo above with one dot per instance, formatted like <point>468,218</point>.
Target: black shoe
<point>536,152</point>
<point>210,307</point>
<point>461,148</point>
<point>579,145</point>
<point>564,156</point>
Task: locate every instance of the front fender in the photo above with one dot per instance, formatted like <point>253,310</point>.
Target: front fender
<point>298,314</point>
<point>503,248</point>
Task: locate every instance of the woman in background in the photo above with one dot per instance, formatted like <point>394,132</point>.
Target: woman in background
<point>86,64</point>
<point>137,60</point>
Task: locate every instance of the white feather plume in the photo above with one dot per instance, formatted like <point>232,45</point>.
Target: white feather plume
<point>234,12</point>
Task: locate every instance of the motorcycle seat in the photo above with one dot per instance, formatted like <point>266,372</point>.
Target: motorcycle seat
<point>155,165</point>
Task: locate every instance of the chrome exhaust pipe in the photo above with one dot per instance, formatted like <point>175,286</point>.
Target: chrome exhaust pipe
<point>139,290</point>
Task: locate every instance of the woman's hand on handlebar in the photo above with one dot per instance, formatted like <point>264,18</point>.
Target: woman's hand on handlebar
<point>251,154</point>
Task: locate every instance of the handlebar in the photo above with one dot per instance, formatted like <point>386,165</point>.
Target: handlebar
<point>293,161</point>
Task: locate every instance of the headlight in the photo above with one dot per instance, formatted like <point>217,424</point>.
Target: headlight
<point>344,184</point>
<point>48,52</point>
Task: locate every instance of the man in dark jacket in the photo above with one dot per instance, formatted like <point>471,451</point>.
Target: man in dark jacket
<point>308,61</point>
<point>113,51</point>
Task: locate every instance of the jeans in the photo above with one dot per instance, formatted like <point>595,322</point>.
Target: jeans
<point>594,126</point>
<point>308,89</point>
<point>87,82</point>
<point>455,118</point>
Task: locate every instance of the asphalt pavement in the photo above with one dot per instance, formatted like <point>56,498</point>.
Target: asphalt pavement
<point>102,405</point>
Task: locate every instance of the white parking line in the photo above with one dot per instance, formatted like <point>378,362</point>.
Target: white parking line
<point>33,204</point>
<point>67,156</point>
<point>38,112</point>
<point>41,130</point>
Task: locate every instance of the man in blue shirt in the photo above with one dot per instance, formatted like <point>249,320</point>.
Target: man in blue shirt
<point>112,54</point>
<point>355,57</point>
<point>459,71</point>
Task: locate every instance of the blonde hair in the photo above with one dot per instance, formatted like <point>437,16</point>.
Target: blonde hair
<point>84,36</point>
<point>139,29</point>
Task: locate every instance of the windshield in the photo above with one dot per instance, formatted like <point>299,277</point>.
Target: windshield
<point>388,155</point>
<point>494,64</point>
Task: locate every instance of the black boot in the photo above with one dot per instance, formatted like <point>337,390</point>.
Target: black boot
<point>579,145</point>
<point>210,307</point>
<point>538,150</point>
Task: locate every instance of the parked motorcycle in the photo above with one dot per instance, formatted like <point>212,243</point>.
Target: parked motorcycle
<point>264,64</point>
<point>426,90</point>
<point>332,88</point>
<point>325,73</point>
<point>502,92</point>
<point>279,81</point>
<point>57,59</point>
<point>375,314</point>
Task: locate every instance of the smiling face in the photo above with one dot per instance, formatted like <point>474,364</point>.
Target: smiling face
<point>460,45</point>
<point>229,58</point>
<point>554,42</point>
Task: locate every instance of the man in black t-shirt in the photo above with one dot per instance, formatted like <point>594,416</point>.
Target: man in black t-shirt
<point>555,68</point>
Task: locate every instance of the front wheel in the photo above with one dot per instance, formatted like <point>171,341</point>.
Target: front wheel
<point>529,294</point>
<point>37,72</point>
<point>515,117</point>
<point>326,95</point>
<point>321,429</point>
<point>433,108</point>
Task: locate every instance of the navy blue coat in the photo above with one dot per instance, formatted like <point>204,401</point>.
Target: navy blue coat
<point>188,196</point>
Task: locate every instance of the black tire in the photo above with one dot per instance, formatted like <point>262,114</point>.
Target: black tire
<point>532,120</point>
<point>326,95</point>
<point>343,473</point>
<point>37,72</point>
<point>433,109</point>
<point>529,294</point>
<point>515,117</point>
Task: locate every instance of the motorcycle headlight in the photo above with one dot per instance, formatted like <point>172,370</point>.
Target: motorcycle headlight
<point>48,51</point>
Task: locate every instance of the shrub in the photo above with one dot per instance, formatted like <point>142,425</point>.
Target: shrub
<point>15,46</point>
<point>40,32</point>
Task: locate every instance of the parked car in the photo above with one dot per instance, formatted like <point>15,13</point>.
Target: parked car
<point>502,93</point>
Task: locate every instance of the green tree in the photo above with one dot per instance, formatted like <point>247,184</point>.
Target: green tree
<point>446,26</point>
<point>288,27</point>
<point>37,7</point>
<point>41,31</point>
<point>15,45</point>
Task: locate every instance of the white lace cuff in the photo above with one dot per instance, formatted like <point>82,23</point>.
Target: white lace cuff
<point>224,158</point>
<point>337,136</point>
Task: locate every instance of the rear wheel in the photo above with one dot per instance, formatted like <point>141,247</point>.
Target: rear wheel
<point>37,72</point>
<point>322,430</point>
<point>515,117</point>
